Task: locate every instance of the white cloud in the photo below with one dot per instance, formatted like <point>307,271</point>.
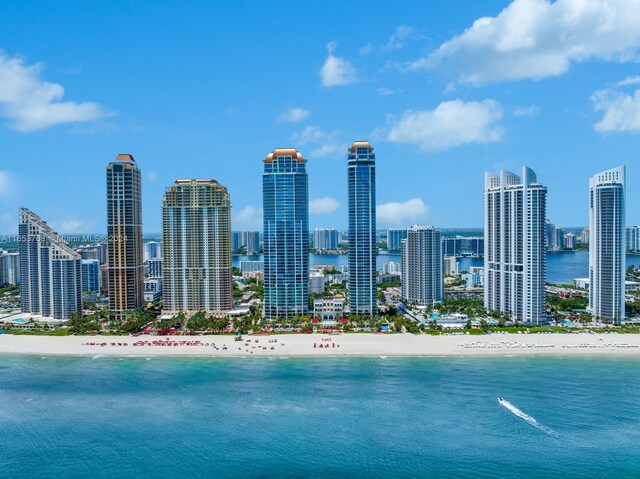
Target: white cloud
<point>250,217</point>
<point>327,143</point>
<point>310,134</point>
<point>31,104</point>
<point>336,70</point>
<point>323,206</point>
<point>293,115</point>
<point>364,51</point>
<point>634,80</point>
<point>385,91</point>
<point>529,111</point>
<point>329,149</point>
<point>408,213</point>
<point>537,39</point>
<point>621,110</point>
<point>403,32</point>
<point>152,176</point>
<point>452,123</point>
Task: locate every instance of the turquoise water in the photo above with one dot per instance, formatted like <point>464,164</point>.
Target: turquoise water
<point>330,417</point>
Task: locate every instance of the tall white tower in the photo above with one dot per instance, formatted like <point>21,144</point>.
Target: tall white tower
<point>515,256</point>
<point>607,261</point>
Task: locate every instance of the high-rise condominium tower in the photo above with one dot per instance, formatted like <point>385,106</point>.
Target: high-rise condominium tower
<point>422,278</point>
<point>196,241</point>
<point>394,239</point>
<point>515,256</point>
<point>124,231</point>
<point>286,234</point>
<point>361,178</point>
<point>607,245</point>
<point>50,271</point>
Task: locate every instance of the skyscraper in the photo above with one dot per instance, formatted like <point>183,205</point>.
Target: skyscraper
<point>361,179</point>
<point>422,278</point>
<point>633,238</point>
<point>325,239</point>
<point>9,268</point>
<point>286,234</point>
<point>515,256</point>
<point>124,231</point>
<point>50,271</point>
<point>251,242</point>
<point>394,239</point>
<point>91,275</point>
<point>196,240</point>
<point>607,245</point>
<point>152,250</point>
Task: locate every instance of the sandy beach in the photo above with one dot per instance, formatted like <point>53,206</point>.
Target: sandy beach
<point>318,345</point>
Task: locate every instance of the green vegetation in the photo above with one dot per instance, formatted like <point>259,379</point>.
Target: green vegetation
<point>556,303</point>
<point>469,306</point>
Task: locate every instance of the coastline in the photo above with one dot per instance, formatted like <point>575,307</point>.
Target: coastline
<point>345,345</point>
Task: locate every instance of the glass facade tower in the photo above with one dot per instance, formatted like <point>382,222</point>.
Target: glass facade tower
<point>124,236</point>
<point>361,179</point>
<point>607,261</point>
<point>286,234</point>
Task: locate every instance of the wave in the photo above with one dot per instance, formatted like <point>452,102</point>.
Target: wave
<point>528,419</point>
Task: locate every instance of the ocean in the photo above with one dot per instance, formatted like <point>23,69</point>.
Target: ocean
<point>103,417</point>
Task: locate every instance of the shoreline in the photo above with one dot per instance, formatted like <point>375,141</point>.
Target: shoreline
<point>322,345</point>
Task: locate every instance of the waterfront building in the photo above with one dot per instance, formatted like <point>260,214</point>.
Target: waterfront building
<point>50,271</point>
<point>361,180</point>
<point>584,236</point>
<point>391,267</point>
<point>236,242</point>
<point>316,281</point>
<point>515,256</point>
<point>548,234</point>
<point>328,309</point>
<point>557,239</point>
<point>90,275</point>
<point>607,245</point>
<point>154,268</point>
<point>286,234</point>
<point>325,239</point>
<point>251,242</point>
<point>463,246</point>
<point>633,239</point>
<point>9,268</point>
<point>450,265</point>
<point>394,238</point>
<point>570,241</point>
<point>196,241</point>
<point>422,278</point>
<point>124,230</point>
<point>152,250</point>
<point>251,266</point>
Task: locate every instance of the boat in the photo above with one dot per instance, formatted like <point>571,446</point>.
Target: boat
<point>500,399</point>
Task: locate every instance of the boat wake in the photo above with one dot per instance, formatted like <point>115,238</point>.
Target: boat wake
<point>528,419</point>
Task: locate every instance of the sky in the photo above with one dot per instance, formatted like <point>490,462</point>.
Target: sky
<point>444,90</point>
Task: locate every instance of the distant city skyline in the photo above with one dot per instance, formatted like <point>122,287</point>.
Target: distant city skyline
<point>440,108</point>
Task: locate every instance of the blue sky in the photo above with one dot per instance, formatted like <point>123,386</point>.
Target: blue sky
<point>444,90</point>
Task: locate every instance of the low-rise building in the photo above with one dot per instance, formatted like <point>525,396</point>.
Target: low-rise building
<point>328,309</point>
